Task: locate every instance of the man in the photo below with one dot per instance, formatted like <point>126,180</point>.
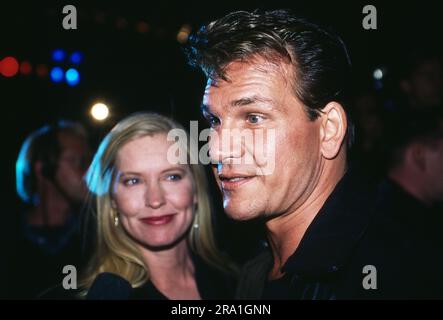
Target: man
<point>49,176</point>
<point>416,157</point>
<point>413,189</point>
<point>275,72</point>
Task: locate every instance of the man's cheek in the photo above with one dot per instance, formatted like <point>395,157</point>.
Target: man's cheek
<point>265,150</point>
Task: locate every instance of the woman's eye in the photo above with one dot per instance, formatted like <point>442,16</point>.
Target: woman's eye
<point>174,177</point>
<point>131,181</point>
<point>254,118</point>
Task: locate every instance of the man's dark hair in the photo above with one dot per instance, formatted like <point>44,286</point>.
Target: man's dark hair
<point>421,125</point>
<point>41,145</point>
<point>319,57</point>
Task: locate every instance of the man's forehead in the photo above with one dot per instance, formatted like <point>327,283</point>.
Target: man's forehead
<point>257,65</point>
<point>69,138</point>
<point>69,141</point>
<point>240,74</point>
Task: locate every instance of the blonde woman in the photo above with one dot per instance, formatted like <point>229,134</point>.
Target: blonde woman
<point>154,219</point>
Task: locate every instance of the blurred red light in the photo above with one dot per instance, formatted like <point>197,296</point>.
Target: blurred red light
<point>142,27</point>
<point>9,67</point>
<point>25,67</point>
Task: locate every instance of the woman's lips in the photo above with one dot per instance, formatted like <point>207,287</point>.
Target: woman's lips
<point>158,221</point>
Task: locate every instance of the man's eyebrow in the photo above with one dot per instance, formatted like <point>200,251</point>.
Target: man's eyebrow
<point>250,100</point>
<point>240,102</point>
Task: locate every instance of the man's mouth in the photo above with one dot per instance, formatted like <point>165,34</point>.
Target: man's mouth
<point>231,182</point>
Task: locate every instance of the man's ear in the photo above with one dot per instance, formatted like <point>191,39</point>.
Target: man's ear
<point>332,129</point>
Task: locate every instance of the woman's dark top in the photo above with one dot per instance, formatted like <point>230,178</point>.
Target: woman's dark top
<point>212,284</point>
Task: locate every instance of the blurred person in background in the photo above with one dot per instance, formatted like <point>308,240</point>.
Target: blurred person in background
<point>415,168</point>
<point>412,193</point>
<point>49,179</point>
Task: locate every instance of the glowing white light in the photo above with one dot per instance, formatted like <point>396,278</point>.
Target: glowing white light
<point>378,74</point>
<point>100,111</point>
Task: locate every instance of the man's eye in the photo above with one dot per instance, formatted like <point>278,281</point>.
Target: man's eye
<point>213,121</point>
<point>254,118</point>
<point>174,177</point>
<point>131,181</point>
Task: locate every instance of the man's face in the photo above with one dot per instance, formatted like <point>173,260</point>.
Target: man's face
<point>72,164</point>
<point>258,97</point>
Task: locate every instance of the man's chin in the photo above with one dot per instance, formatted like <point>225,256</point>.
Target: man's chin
<point>239,215</point>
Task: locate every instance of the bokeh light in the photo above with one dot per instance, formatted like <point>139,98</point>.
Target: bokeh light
<point>100,111</point>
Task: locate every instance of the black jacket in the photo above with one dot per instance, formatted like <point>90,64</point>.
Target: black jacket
<point>356,227</point>
<point>40,254</point>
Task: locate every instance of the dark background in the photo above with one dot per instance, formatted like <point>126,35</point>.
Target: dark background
<point>132,70</point>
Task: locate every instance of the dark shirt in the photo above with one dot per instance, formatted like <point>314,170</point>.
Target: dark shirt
<point>40,254</point>
<point>356,227</point>
<point>212,284</point>
<point>425,221</point>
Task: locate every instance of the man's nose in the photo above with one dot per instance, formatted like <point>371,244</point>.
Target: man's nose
<point>225,145</point>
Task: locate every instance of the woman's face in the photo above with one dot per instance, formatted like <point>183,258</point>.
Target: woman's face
<point>154,199</point>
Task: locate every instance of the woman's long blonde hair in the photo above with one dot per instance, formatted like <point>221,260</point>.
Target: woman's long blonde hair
<point>115,251</point>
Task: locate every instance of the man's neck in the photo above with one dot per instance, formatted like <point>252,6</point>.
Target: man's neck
<point>286,231</point>
<point>410,182</point>
<point>53,210</point>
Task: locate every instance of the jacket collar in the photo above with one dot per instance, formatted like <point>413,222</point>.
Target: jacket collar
<point>331,237</point>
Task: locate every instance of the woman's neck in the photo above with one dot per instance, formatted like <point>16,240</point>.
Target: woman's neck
<point>172,271</point>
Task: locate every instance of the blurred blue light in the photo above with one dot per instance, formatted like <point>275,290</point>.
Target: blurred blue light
<point>72,77</point>
<point>58,55</point>
<point>76,57</point>
<point>56,74</point>
<point>378,85</point>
